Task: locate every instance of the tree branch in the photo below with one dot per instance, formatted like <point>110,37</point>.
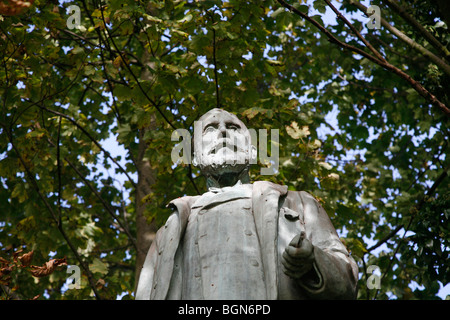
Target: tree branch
<point>358,34</point>
<point>364,84</point>
<point>134,76</point>
<point>417,208</point>
<point>216,76</point>
<point>329,35</point>
<point>428,36</point>
<point>385,239</point>
<point>386,65</point>
<point>105,205</point>
<point>108,155</point>
<point>89,185</point>
<point>189,174</point>
<point>425,52</point>
<point>108,81</point>
<point>55,218</point>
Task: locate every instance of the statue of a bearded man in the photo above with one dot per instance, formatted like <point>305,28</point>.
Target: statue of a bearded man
<point>241,240</point>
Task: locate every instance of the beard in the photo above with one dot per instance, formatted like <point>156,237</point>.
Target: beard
<point>224,160</point>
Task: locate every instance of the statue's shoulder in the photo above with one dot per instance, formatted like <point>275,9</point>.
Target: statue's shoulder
<point>183,202</point>
<point>301,194</point>
<point>268,185</point>
<point>181,209</point>
<point>298,199</point>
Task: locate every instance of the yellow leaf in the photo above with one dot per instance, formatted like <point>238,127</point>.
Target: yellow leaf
<point>117,61</point>
<point>315,144</point>
<point>297,133</point>
<point>325,165</point>
<point>333,176</point>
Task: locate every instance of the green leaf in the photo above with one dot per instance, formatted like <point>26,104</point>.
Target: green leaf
<point>320,6</point>
<point>355,246</point>
<point>97,266</point>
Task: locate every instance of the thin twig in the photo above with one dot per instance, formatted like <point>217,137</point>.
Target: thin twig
<point>191,179</point>
<point>107,154</point>
<point>385,239</point>
<point>58,163</point>
<point>216,75</point>
<point>329,35</point>
<point>89,185</point>
<point>105,205</point>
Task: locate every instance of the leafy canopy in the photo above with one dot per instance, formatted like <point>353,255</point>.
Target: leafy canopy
<point>366,141</point>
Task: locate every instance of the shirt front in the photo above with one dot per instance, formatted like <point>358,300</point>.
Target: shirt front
<point>221,251</point>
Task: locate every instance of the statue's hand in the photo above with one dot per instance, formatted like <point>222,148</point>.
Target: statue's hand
<point>298,257</point>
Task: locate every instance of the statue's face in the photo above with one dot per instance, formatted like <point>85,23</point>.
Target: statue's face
<point>221,142</point>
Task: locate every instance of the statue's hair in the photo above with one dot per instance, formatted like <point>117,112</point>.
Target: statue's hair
<point>215,110</point>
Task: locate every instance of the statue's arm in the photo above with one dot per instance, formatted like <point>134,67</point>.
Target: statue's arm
<point>157,268</point>
<point>144,286</point>
<point>332,276</point>
<point>330,272</point>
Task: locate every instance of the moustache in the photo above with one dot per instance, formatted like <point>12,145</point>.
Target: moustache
<point>226,143</point>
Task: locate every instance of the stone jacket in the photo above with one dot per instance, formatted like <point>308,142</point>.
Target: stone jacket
<point>279,216</point>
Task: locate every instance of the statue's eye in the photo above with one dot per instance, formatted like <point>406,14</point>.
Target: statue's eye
<point>210,127</point>
<point>232,126</point>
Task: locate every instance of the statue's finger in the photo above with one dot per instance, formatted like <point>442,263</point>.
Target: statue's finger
<point>287,260</point>
<point>296,272</point>
<point>297,240</point>
<point>297,253</point>
<point>292,274</point>
<point>294,260</point>
<point>291,270</point>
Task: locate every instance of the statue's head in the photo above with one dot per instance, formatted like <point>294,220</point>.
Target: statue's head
<point>222,144</point>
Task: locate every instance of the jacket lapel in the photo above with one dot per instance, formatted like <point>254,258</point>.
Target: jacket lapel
<point>265,200</point>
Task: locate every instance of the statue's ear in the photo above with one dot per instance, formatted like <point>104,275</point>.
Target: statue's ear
<point>194,160</point>
<point>253,154</point>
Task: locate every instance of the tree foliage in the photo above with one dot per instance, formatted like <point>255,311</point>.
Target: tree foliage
<point>362,116</point>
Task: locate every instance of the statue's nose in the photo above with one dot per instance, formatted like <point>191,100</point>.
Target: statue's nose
<point>223,130</point>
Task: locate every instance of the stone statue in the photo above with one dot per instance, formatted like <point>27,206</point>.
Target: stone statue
<point>241,240</point>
